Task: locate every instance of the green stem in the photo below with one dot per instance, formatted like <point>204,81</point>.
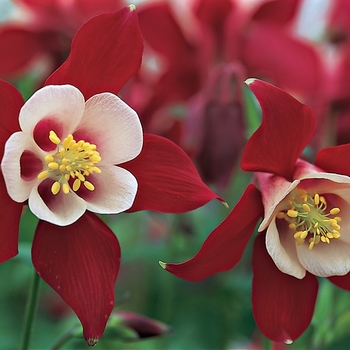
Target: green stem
<point>30,312</point>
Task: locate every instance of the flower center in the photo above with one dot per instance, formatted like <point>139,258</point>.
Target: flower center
<point>307,216</point>
<point>75,160</point>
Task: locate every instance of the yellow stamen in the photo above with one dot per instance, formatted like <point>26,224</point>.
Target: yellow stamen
<point>307,215</point>
<point>72,159</point>
<point>55,188</point>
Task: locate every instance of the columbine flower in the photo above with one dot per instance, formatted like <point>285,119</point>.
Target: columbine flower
<point>305,209</point>
<point>63,160</point>
<point>75,148</point>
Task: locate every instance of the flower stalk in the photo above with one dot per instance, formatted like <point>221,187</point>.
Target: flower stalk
<point>30,312</point>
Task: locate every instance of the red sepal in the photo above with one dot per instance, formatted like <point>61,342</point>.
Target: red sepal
<point>80,262</point>
<point>224,247</point>
<point>341,281</point>
<point>287,127</point>
<point>283,305</point>
<point>11,103</point>
<point>105,53</point>
<point>18,48</point>
<point>10,217</point>
<point>168,181</point>
<point>333,159</point>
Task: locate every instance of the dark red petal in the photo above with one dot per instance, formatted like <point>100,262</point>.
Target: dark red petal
<point>334,159</point>
<point>224,247</point>
<point>341,281</point>
<point>286,128</point>
<point>168,181</point>
<point>11,102</point>
<point>275,11</point>
<point>18,48</point>
<point>105,53</point>
<point>162,32</point>
<point>283,305</point>
<point>10,218</point>
<point>269,51</point>
<point>80,262</point>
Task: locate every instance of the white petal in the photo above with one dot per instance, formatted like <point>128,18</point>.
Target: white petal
<point>326,260</point>
<point>281,248</point>
<point>18,188</point>
<point>113,126</point>
<point>115,191</point>
<point>61,209</point>
<point>62,103</point>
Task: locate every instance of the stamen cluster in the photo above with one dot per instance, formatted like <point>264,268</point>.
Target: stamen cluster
<point>74,160</point>
<point>307,216</point>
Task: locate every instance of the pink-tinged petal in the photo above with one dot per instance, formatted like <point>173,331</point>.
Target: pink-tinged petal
<point>333,159</point>
<point>284,118</point>
<point>326,260</point>
<point>281,246</point>
<point>10,217</point>
<point>11,102</point>
<point>60,209</point>
<point>282,305</point>
<point>57,108</point>
<point>105,53</point>
<point>157,22</point>
<point>115,190</point>
<point>225,245</point>
<point>273,190</point>
<point>18,47</point>
<point>341,281</point>
<point>113,127</point>
<point>80,262</point>
<point>19,186</point>
<point>167,179</point>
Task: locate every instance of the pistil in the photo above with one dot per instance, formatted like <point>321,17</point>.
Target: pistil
<point>307,215</point>
<point>72,160</point>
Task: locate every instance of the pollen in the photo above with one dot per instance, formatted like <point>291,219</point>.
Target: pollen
<point>71,163</point>
<point>308,217</point>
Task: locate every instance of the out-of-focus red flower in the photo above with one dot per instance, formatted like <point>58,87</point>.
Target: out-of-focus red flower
<point>304,232</point>
<point>211,37</point>
<point>72,121</point>
<point>45,29</point>
<point>144,327</point>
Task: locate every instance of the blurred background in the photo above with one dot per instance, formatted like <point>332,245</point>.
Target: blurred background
<point>190,89</point>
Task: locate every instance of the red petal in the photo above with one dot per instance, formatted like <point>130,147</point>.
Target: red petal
<point>286,128</point>
<point>105,53</point>
<point>81,263</point>
<point>269,51</point>
<point>333,159</point>
<point>11,102</point>
<point>282,305</point>
<point>276,11</point>
<point>10,218</point>
<point>341,281</point>
<point>224,247</point>
<point>157,22</point>
<point>167,179</point>
<point>18,48</point>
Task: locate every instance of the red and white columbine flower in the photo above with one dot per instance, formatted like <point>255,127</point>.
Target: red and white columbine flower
<point>63,161</point>
<point>305,210</point>
<point>75,148</point>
